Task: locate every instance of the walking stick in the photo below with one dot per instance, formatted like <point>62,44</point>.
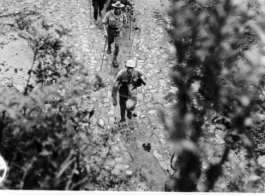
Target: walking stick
<point>103,53</point>
<point>130,26</point>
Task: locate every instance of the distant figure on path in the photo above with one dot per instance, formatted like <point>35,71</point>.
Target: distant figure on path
<point>98,6</point>
<point>113,23</point>
<point>126,82</point>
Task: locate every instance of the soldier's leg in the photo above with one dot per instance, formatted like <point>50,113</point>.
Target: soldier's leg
<point>123,108</point>
<point>95,5</point>
<point>110,40</point>
<point>116,50</point>
<point>101,6</point>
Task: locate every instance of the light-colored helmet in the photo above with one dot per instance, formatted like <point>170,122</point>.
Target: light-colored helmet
<point>131,64</point>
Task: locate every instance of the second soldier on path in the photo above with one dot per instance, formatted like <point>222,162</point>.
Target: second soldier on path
<point>113,22</point>
<point>126,82</point>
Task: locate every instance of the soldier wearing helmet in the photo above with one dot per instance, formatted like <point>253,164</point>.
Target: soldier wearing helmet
<point>126,82</point>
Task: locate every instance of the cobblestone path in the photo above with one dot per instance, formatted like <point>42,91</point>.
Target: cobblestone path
<point>151,47</point>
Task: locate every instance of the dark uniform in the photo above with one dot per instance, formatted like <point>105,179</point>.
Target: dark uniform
<point>98,6</point>
<point>127,86</point>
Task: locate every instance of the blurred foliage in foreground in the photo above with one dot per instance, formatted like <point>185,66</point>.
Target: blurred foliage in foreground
<point>45,130</point>
<point>220,48</point>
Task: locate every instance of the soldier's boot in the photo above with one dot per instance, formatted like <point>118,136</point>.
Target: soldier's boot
<point>122,115</point>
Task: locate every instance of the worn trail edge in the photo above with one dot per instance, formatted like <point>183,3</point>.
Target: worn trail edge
<point>146,163</point>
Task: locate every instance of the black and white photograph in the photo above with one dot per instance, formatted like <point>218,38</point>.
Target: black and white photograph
<point>138,96</point>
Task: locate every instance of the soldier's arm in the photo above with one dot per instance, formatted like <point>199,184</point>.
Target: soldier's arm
<point>105,22</point>
<point>143,77</point>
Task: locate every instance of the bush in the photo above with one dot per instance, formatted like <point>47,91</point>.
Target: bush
<point>45,130</point>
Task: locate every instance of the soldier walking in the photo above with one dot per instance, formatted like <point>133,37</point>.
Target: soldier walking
<point>126,82</point>
<point>127,9</point>
<point>98,6</point>
<point>113,23</point>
